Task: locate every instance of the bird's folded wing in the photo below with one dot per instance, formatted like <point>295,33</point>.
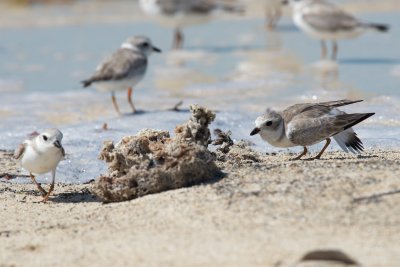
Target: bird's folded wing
<point>327,17</point>
<point>319,108</point>
<point>316,124</point>
<point>119,66</point>
<point>19,152</point>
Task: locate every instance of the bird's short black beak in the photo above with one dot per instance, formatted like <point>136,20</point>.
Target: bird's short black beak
<point>285,2</point>
<point>155,49</point>
<point>255,131</point>
<point>57,144</point>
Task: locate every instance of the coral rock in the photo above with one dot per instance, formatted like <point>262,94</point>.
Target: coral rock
<point>151,161</point>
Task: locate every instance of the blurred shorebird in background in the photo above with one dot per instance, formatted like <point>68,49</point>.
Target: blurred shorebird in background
<point>327,22</point>
<point>123,69</point>
<point>181,13</point>
<point>310,123</point>
<point>273,13</point>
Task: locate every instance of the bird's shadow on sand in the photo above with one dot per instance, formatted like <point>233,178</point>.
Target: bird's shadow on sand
<point>342,158</point>
<point>75,197</point>
<point>374,198</point>
<point>85,196</point>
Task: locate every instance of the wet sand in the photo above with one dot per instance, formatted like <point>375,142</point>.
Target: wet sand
<point>265,211</point>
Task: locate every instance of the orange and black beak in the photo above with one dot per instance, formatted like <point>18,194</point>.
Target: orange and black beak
<point>155,49</point>
<point>255,131</point>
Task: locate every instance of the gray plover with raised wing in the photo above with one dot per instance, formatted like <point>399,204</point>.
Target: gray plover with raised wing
<point>308,124</point>
<point>123,69</point>
<point>41,154</point>
<point>181,13</point>
<point>327,22</point>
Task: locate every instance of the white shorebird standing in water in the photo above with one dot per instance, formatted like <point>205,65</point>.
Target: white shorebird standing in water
<point>181,13</point>
<point>327,22</point>
<point>123,69</point>
<point>308,124</point>
<point>41,154</point>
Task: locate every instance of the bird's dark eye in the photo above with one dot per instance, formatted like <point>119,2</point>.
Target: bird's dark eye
<point>268,123</point>
<point>145,44</point>
<point>44,138</point>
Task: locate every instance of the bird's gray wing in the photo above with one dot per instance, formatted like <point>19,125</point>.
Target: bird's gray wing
<point>121,64</point>
<point>296,109</point>
<point>318,123</point>
<point>19,152</point>
<point>171,7</point>
<point>339,103</point>
<point>324,16</point>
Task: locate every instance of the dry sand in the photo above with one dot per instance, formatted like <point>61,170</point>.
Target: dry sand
<point>266,211</point>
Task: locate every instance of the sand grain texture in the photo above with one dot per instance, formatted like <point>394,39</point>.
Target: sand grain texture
<point>266,211</point>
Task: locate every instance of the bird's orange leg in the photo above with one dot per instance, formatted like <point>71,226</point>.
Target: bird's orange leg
<point>130,90</point>
<point>51,189</point>
<point>114,101</point>
<point>301,155</point>
<point>324,50</point>
<point>328,141</point>
<point>38,185</point>
<point>334,50</point>
<point>178,39</point>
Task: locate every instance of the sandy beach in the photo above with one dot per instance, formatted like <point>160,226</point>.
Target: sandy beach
<point>261,208</point>
<point>265,211</point>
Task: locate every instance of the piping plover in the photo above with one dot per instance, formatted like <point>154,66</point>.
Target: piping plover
<point>41,154</point>
<point>123,69</point>
<point>273,12</point>
<point>180,13</point>
<point>308,124</point>
<point>327,22</point>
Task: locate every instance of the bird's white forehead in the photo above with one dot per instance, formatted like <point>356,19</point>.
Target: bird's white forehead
<point>259,121</point>
<point>54,133</point>
<point>128,46</point>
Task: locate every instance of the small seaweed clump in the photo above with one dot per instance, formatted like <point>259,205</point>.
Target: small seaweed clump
<point>236,154</point>
<point>152,161</point>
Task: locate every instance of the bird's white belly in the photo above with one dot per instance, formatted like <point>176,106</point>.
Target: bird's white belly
<point>41,163</point>
<point>116,85</point>
<point>276,141</point>
<point>324,35</point>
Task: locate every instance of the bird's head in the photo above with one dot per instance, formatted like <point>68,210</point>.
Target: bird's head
<point>269,125</point>
<point>142,44</point>
<point>50,138</point>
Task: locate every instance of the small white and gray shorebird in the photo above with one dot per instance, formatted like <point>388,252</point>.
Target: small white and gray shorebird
<point>181,13</point>
<point>308,124</point>
<point>327,22</point>
<point>123,69</point>
<point>41,154</point>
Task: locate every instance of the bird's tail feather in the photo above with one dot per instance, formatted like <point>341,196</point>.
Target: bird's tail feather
<point>378,27</point>
<point>86,83</point>
<point>349,141</point>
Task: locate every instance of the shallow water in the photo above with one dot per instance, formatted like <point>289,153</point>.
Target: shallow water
<point>230,65</point>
